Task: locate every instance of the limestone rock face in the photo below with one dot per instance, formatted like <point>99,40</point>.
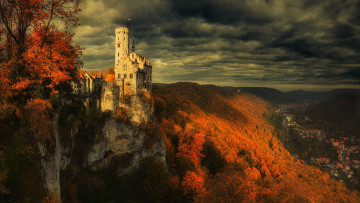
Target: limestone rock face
<point>112,143</point>
<point>123,146</point>
<point>139,111</point>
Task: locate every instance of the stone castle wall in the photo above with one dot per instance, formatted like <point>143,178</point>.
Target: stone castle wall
<point>108,99</point>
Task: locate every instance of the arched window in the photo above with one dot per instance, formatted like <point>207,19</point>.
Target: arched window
<point>131,75</point>
<point>119,76</point>
<point>125,75</point>
<point>118,54</point>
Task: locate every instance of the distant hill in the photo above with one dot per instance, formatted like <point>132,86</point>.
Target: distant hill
<point>159,83</point>
<point>341,112</point>
<point>222,147</point>
<point>302,95</point>
<point>269,94</point>
<point>275,96</point>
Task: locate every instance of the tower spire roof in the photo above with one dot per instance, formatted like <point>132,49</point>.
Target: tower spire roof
<point>133,44</point>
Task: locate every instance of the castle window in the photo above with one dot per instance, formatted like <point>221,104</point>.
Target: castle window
<point>125,75</point>
<point>119,76</point>
<point>131,75</point>
<point>128,84</point>
<point>118,45</point>
<point>118,54</point>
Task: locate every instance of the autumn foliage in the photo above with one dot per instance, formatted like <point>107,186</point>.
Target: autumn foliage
<point>37,62</point>
<point>37,57</point>
<point>222,148</point>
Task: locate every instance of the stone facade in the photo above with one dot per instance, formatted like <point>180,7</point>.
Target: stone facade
<point>133,73</point>
<point>85,85</point>
<point>108,101</point>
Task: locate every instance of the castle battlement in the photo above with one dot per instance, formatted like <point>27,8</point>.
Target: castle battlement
<point>121,29</point>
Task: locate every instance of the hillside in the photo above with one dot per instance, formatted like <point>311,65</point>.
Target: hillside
<point>302,95</point>
<point>339,113</point>
<point>221,147</point>
<point>269,94</point>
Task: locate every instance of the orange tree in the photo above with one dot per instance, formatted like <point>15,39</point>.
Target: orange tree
<point>37,57</point>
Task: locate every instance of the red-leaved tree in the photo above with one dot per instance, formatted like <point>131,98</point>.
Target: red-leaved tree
<point>37,58</point>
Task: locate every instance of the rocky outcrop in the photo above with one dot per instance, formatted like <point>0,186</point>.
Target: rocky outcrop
<point>113,143</point>
<point>50,162</point>
<point>123,147</point>
<point>138,108</point>
<point>124,144</point>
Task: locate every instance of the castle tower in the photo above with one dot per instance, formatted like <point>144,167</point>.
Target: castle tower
<point>121,43</point>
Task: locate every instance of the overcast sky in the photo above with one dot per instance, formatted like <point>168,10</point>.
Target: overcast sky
<point>285,44</point>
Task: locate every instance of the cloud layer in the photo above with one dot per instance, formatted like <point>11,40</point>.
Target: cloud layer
<point>277,43</point>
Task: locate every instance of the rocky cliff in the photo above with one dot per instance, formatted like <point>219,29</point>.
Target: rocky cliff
<point>101,140</point>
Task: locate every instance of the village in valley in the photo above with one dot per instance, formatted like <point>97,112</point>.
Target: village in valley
<point>337,154</point>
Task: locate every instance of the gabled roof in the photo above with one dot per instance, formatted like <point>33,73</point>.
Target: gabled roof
<point>110,78</point>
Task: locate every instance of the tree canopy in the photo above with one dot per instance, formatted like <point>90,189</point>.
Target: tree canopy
<point>36,52</point>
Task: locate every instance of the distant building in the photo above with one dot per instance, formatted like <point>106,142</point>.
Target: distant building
<point>289,117</point>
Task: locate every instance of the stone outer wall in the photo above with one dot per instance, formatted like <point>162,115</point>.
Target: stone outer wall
<point>108,100</point>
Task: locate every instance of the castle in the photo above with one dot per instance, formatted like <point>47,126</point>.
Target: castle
<point>133,73</point>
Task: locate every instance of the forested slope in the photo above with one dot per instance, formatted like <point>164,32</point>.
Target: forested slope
<point>221,147</point>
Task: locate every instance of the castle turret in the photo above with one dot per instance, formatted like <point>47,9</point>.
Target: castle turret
<point>121,43</point>
<point>133,45</point>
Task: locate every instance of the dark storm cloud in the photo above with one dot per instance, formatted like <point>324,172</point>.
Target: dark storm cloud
<point>232,42</point>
